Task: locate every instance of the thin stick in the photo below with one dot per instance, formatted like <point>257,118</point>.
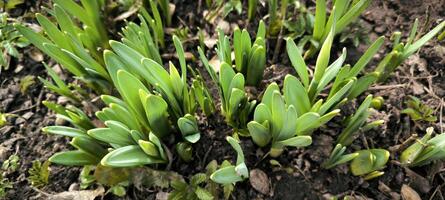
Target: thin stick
<point>440,116</point>
<point>384,87</point>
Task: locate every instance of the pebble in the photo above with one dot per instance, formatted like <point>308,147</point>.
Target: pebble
<point>260,181</point>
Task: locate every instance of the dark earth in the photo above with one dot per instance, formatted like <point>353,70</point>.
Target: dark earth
<point>300,175</point>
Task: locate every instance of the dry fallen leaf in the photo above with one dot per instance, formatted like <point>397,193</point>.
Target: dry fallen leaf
<point>78,195</point>
<point>259,181</point>
<point>224,26</point>
<point>215,63</point>
<point>409,193</point>
<point>172,8</point>
<point>417,88</point>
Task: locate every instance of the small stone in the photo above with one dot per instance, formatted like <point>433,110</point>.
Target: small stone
<point>28,115</point>
<point>18,69</point>
<point>20,120</point>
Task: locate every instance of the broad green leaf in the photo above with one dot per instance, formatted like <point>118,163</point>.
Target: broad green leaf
<point>152,137</point>
<point>238,49</point>
<point>362,84</point>
<point>35,38</point>
<point>298,141</point>
<point>320,19</point>
<point>108,99</point>
<point>261,32</point>
<point>226,175</point>
<point>130,87</point>
<point>256,66</point>
<point>262,113</point>
<point>181,56</point>
<point>128,156</point>
<point>61,57</point>
<point>53,32</point>
<point>366,57</point>
<point>235,145</point>
<point>260,135</point>
<point>65,131</point>
<point>89,145</point>
<point>132,59</point>
<point>176,81</point>
<point>296,95</point>
<point>368,161</point>
<point>289,124</point>
<point>268,94</point>
<point>278,113</point>
<point>149,148</point>
<point>64,20</point>
<point>226,75</point>
<point>156,111</point>
<point>345,158</point>
<point>74,158</point>
<point>323,57</point>
<point>351,14</point>
<point>203,194</point>
<point>336,97</point>
<point>112,135</point>
<point>75,10</point>
<point>237,82</point>
<point>306,122</point>
<point>410,154</point>
<point>423,40</point>
<point>331,72</point>
<point>189,128</point>
<point>297,61</point>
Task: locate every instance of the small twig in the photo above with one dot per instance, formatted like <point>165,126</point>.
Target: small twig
<point>206,155</point>
<point>365,142</point>
<point>385,87</point>
<point>440,115</point>
<point>23,109</point>
<point>278,45</point>
<point>41,192</point>
<point>436,191</point>
<point>169,156</point>
<point>302,173</point>
<point>407,142</point>
<point>261,160</point>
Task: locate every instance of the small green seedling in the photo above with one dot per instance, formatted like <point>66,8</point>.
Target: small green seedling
<point>194,190</point>
<point>424,150</point>
<point>250,59</point>
<point>338,157</point>
<point>369,162</point>
<point>39,173</point>
<point>232,173</point>
<point>276,118</point>
<point>401,51</point>
<point>418,111</point>
<point>356,123</point>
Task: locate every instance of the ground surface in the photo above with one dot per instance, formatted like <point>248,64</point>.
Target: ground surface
<point>423,75</point>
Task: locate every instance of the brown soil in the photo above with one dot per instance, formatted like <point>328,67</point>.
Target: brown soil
<point>422,74</point>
